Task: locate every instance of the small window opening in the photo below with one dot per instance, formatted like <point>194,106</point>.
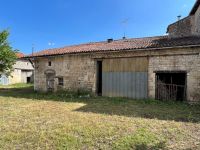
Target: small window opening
<point>49,63</point>
<point>60,81</point>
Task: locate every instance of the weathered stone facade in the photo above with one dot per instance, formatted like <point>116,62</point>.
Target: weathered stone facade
<point>196,29</point>
<point>23,69</point>
<point>181,28</point>
<point>187,62</point>
<point>187,26</point>
<point>75,67</point>
<point>79,70</point>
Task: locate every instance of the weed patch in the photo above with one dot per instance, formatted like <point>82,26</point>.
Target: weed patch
<point>142,139</point>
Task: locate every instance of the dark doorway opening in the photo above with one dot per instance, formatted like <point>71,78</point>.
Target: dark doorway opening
<point>50,82</point>
<point>171,86</point>
<point>99,78</point>
<point>28,80</point>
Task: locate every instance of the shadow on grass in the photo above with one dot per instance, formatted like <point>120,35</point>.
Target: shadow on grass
<point>149,109</point>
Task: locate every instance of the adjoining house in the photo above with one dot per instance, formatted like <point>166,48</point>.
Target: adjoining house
<point>23,72</point>
<point>162,67</point>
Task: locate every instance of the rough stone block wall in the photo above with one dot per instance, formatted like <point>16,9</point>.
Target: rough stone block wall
<point>189,63</point>
<point>196,29</point>
<point>181,28</point>
<point>186,27</point>
<point>78,72</point>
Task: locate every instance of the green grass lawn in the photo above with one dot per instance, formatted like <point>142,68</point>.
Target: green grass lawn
<point>30,120</point>
<point>18,85</point>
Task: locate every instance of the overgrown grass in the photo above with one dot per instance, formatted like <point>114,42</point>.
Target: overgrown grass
<point>30,120</point>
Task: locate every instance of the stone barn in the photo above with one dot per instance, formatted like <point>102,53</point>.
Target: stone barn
<point>22,72</point>
<point>162,67</point>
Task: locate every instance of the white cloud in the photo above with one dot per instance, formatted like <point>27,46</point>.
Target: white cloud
<point>51,43</point>
<point>184,6</point>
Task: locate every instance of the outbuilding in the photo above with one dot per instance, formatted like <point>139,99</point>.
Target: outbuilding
<point>162,67</point>
<point>22,72</point>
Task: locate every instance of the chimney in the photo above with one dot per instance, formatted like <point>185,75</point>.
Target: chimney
<point>179,17</point>
<point>109,40</point>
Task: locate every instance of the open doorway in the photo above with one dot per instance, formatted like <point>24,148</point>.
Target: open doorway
<point>50,82</point>
<point>171,86</point>
<point>99,78</point>
<point>50,79</point>
<point>28,80</point>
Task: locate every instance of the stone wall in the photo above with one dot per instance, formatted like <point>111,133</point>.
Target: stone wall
<point>196,29</point>
<point>23,65</point>
<point>182,27</point>
<point>15,77</point>
<point>188,63</point>
<point>186,27</point>
<point>78,72</point>
<point>22,70</point>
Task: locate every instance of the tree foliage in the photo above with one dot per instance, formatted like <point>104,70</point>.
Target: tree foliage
<point>7,54</point>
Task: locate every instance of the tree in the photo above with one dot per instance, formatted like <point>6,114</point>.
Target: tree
<point>7,54</point>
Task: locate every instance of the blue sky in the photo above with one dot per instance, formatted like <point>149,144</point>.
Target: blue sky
<point>57,23</point>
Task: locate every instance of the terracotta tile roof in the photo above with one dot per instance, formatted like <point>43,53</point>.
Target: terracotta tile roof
<point>119,45</point>
<point>20,55</point>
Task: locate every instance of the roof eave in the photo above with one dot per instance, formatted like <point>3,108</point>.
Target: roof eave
<point>195,7</point>
<point>131,49</point>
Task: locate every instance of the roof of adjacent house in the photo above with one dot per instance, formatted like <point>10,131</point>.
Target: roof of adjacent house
<point>20,55</point>
<point>195,7</point>
<point>147,43</point>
